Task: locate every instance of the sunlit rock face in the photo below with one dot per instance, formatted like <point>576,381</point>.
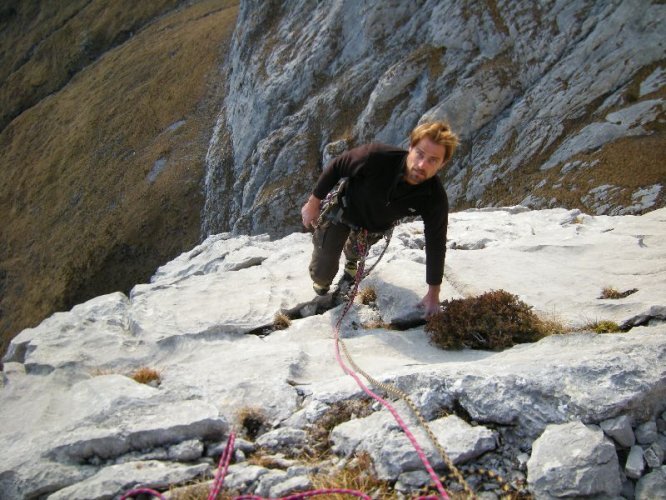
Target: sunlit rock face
<point>557,104</point>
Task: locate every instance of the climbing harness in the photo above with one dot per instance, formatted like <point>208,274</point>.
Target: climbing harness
<point>334,204</point>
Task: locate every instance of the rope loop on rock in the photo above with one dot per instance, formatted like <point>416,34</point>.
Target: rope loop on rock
<point>225,458</point>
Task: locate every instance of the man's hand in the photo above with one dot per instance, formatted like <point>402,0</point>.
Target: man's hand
<point>310,211</point>
<point>431,301</point>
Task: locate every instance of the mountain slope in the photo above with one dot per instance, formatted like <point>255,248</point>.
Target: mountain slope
<point>111,107</point>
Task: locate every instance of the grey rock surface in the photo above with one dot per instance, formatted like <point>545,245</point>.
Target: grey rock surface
<point>81,412</point>
<point>654,456</point>
<point>652,486</point>
<point>110,480</point>
<point>308,79</point>
<point>635,463</point>
<point>573,460</point>
<point>646,433</point>
<point>392,451</point>
<point>620,430</point>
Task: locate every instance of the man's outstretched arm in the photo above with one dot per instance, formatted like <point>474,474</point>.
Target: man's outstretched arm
<point>431,301</point>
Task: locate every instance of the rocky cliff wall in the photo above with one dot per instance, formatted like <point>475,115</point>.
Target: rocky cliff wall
<point>558,103</point>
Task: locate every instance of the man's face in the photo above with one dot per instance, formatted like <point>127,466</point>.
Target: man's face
<point>424,160</point>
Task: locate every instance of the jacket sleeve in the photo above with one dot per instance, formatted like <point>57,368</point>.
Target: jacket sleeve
<point>345,165</point>
<point>435,222</point>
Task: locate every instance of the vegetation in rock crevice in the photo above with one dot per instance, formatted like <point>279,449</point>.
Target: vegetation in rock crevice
<point>494,320</point>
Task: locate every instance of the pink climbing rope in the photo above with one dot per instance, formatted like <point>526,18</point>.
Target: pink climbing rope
<point>142,491</point>
<point>362,250</point>
<point>222,467</point>
<point>225,458</point>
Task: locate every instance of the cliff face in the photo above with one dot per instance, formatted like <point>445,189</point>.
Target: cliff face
<point>558,103</point>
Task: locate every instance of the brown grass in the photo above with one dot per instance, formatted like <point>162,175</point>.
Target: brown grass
<point>146,375</point>
<point>80,217</point>
<point>281,321</point>
<point>367,295</point>
<point>359,475</point>
<point>611,293</point>
<point>251,420</point>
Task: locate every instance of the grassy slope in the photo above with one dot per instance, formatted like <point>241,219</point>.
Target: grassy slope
<point>80,214</point>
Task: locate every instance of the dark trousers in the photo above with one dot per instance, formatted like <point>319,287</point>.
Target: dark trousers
<point>330,239</point>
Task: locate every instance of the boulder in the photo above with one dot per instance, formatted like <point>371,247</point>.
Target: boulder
<point>573,460</point>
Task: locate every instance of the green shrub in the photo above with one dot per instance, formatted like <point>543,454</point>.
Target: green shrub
<point>495,320</point>
<point>603,327</point>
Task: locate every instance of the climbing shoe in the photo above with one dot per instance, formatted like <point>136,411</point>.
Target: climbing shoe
<point>343,288</point>
<point>350,269</point>
<point>319,289</point>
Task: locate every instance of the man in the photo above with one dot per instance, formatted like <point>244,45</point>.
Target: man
<point>384,185</point>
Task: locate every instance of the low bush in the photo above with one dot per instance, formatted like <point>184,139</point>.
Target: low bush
<point>494,320</point>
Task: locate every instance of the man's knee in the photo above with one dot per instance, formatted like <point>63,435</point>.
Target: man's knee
<point>328,241</point>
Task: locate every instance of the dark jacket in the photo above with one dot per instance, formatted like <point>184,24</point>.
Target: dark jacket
<point>378,196</point>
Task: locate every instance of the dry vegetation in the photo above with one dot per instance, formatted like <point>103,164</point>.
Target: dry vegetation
<point>113,92</point>
<point>358,475</point>
<point>602,326</point>
<point>251,421</point>
<point>494,320</point>
<point>611,293</point>
<point>146,375</point>
<point>281,321</point>
<point>367,295</point>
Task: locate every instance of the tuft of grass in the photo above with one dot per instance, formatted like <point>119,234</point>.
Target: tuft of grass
<point>262,459</point>
<point>494,320</point>
<point>367,295</point>
<point>603,327</point>
<point>611,293</point>
<point>146,375</point>
<point>251,420</point>
<point>281,321</point>
<point>358,475</point>
<point>373,325</point>
<point>199,491</point>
